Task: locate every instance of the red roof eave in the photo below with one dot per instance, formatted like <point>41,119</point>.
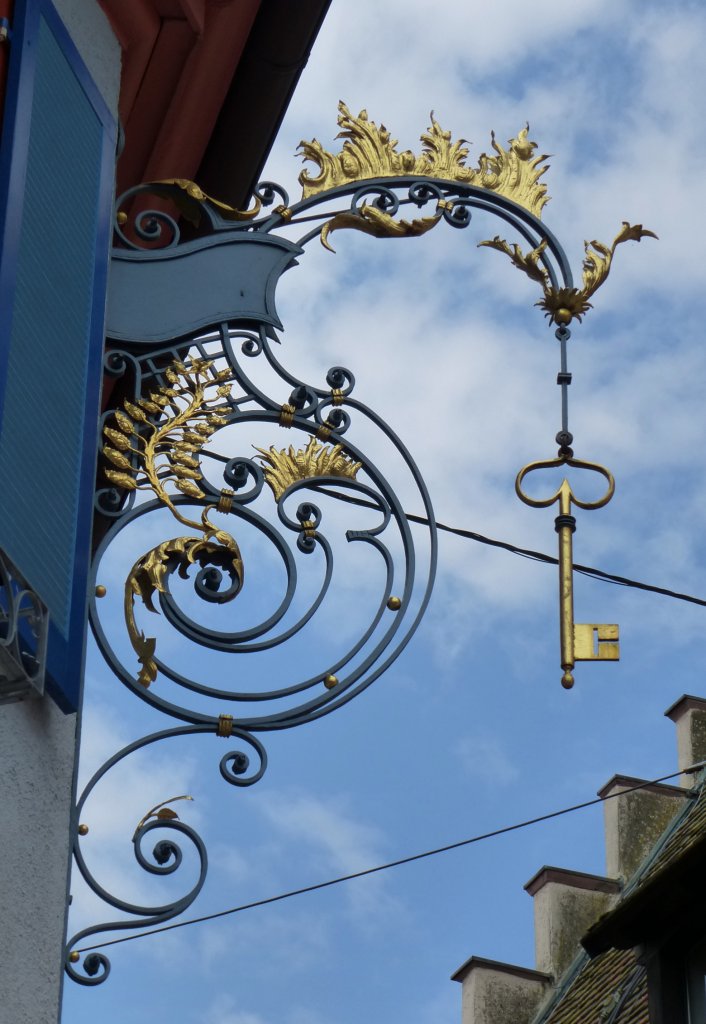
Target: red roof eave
<point>179,59</point>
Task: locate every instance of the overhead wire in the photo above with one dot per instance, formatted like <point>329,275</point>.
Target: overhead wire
<point>537,556</point>
<point>692,769</point>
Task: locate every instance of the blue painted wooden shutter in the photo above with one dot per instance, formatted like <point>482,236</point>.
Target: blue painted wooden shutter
<point>56,174</point>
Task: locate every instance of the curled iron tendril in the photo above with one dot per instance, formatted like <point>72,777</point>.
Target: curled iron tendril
<point>166,856</point>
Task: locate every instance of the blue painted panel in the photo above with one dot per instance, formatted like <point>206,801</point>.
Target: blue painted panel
<point>157,295</point>
<point>42,431</point>
<point>57,203</point>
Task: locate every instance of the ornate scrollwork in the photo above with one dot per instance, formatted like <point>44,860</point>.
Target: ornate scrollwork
<point>164,859</point>
<point>369,151</point>
<point>190,197</point>
<point>165,446</point>
<point>182,421</point>
<point>160,812</point>
<point>200,402</point>
<point>378,223</point>
<point>286,466</point>
<point>561,305</point>
<point>158,226</point>
<point>148,576</point>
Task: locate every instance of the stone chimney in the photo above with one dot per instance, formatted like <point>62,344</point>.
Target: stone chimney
<point>635,821</point>
<point>689,716</point>
<point>566,904</point>
<point>496,993</point>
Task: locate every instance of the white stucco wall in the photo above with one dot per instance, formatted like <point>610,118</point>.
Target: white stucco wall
<point>38,742</point>
<point>37,745</point>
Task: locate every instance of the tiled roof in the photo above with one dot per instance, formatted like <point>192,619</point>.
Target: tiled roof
<point>612,988</point>
<point>608,990</point>
<point>678,839</point>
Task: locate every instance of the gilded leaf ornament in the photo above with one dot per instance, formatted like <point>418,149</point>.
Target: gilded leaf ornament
<point>160,812</point>
<point>376,222</point>
<point>155,443</point>
<point>528,263</point>
<point>562,305</point>
<point>188,197</point>
<point>286,466</point>
<point>369,152</point>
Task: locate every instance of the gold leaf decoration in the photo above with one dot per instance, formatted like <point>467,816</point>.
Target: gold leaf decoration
<point>527,263</point>
<point>193,438</point>
<point>117,458</point>
<point>188,196</point>
<point>562,305</point>
<point>190,488</point>
<point>185,472</point>
<point>144,403</point>
<point>181,459</point>
<point>149,574</point>
<point>369,152</point>
<point>286,466</point>
<point>144,648</point>
<point>121,479</point>
<point>161,812</point>
<point>515,172</point>
<point>119,440</point>
<point>124,422</point>
<point>186,420</point>
<point>375,222</point>
<point>135,411</point>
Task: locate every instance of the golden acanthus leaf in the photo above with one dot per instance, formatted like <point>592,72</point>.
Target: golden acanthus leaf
<point>286,466</point>
<point>370,152</point>
<point>376,222</point>
<point>149,574</point>
<point>188,197</point>
<point>598,258</point>
<point>561,305</point>
<point>528,263</point>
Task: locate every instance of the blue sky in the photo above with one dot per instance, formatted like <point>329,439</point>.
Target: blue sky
<point>470,729</point>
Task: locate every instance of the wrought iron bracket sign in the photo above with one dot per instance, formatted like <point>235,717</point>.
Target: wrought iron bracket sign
<point>197,505</point>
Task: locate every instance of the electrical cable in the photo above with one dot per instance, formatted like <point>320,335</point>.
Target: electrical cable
<point>393,863</point>
<point>536,556</point>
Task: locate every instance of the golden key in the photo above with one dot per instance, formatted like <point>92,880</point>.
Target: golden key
<point>579,641</point>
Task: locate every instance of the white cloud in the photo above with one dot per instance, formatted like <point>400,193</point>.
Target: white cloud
<point>338,840</point>
<point>486,761</point>
<point>330,840</point>
<point>224,1010</point>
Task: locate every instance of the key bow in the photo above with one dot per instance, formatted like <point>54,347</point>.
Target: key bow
<point>564,494</point>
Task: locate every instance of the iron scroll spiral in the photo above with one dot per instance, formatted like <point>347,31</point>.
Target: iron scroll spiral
<point>326,463</point>
<point>165,857</point>
<point>178,448</point>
